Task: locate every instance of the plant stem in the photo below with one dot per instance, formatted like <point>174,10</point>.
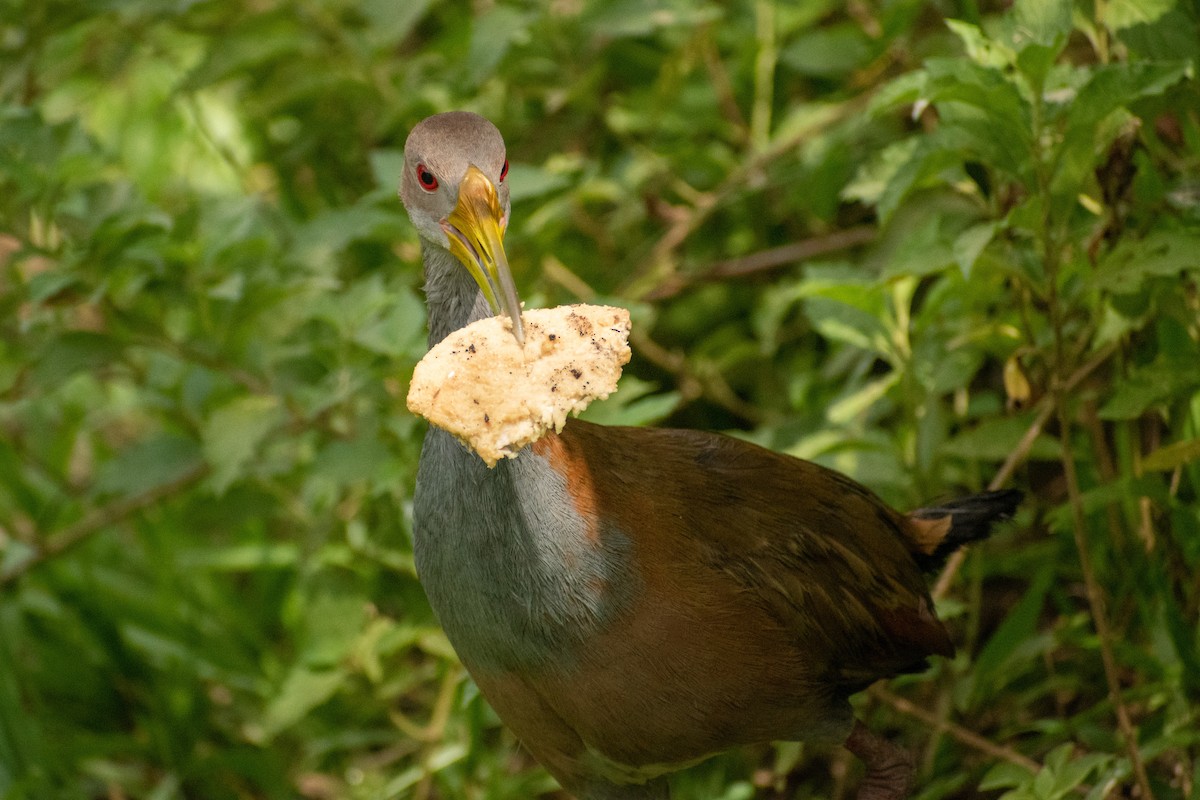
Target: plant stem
<point>1018,455</point>
<point>764,75</point>
<point>1095,597</point>
<point>963,735</point>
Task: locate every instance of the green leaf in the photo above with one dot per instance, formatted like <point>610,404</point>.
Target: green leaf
<point>852,405</point>
<point>1090,125</point>
<point>333,623</point>
<point>258,40</point>
<point>1018,627</point>
<point>47,285</point>
<point>981,48</point>
<point>970,243</point>
<point>150,463</point>
<point>1172,456</point>
<point>829,52</point>
<point>1035,62</point>
<point>1150,385</point>
<point>492,34</point>
<point>245,557</point>
<point>636,402</point>
<point>995,439</point>
<point>984,113</point>
<point>1044,783</point>
<point>1121,14</point>
<point>303,690</point>
<point>1170,36</point>
<point>440,758</point>
<point>232,435</point>
<point>845,305</point>
<point>843,322</point>
<point>73,352</point>
<point>922,236</point>
<point>397,329</point>
<point>1076,771</point>
<point>391,22</point>
<point>1005,775</point>
<point>1133,261</point>
<point>983,117</point>
<point>873,177</point>
<point>1046,22</point>
<point>904,90</point>
<point>623,18</point>
<point>328,233</point>
<point>1132,397</point>
<point>387,166</point>
<point>526,181</point>
<point>355,461</point>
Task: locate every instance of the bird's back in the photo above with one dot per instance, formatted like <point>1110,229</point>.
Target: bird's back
<point>828,560</point>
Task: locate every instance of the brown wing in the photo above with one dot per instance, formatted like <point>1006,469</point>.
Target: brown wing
<point>823,554</point>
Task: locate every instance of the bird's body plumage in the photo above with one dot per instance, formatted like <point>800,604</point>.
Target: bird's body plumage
<point>633,600</point>
<point>752,608</point>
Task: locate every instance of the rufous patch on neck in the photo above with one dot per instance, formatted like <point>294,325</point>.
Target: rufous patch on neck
<point>559,454</point>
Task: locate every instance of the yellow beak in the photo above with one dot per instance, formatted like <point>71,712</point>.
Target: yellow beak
<point>475,229</point>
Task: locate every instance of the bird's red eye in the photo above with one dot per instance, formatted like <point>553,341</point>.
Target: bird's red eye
<point>427,179</point>
<point>504,170</point>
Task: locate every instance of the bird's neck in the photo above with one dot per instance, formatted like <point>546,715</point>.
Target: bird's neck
<point>514,572</point>
<point>454,299</point>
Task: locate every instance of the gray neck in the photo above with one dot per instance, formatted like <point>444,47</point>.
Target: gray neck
<point>454,299</point>
<point>512,570</point>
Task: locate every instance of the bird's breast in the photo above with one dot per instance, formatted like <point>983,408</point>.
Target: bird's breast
<point>517,568</point>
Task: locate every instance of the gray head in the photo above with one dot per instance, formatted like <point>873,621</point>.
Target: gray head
<point>455,192</point>
<point>436,157</point>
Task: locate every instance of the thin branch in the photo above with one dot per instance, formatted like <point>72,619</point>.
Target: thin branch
<point>766,260</point>
<point>98,519</point>
<point>433,731</point>
<point>954,730</point>
<point>1020,453</point>
<point>658,266</point>
<point>1095,597</point>
<point>722,85</point>
<point>443,708</point>
<point>764,74</point>
<point>1015,458</point>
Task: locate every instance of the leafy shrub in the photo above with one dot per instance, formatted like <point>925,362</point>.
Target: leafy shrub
<point>931,246</point>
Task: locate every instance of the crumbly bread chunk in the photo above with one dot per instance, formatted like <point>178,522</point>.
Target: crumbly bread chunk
<point>479,385</point>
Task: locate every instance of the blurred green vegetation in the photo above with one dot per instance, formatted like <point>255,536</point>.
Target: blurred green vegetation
<point>926,243</point>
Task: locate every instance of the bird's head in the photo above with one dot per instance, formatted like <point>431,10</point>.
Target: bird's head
<point>455,192</point>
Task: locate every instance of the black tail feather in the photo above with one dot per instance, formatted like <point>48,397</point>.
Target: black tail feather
<point>971,519</point>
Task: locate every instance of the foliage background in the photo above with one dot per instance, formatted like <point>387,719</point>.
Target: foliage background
<point>931,244</point>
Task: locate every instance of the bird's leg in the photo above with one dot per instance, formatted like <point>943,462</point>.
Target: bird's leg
<point>889,767</point>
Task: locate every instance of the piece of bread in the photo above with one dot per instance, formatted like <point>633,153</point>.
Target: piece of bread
<point>479,385</point>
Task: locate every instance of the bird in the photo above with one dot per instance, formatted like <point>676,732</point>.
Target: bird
<point>634,600</point>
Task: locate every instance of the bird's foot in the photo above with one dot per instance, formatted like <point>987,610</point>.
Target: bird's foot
<point>889,767</point>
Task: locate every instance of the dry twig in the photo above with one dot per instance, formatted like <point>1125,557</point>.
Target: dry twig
<point>963,735</point>
<point>1095,597</point>
<point>765,260</point>
<point>98,519</point>
<point>1020,453</point>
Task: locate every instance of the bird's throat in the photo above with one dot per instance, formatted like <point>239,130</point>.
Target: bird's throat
<point>453,298</point>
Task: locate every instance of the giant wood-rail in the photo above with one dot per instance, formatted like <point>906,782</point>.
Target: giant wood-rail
<point>633,600</point>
